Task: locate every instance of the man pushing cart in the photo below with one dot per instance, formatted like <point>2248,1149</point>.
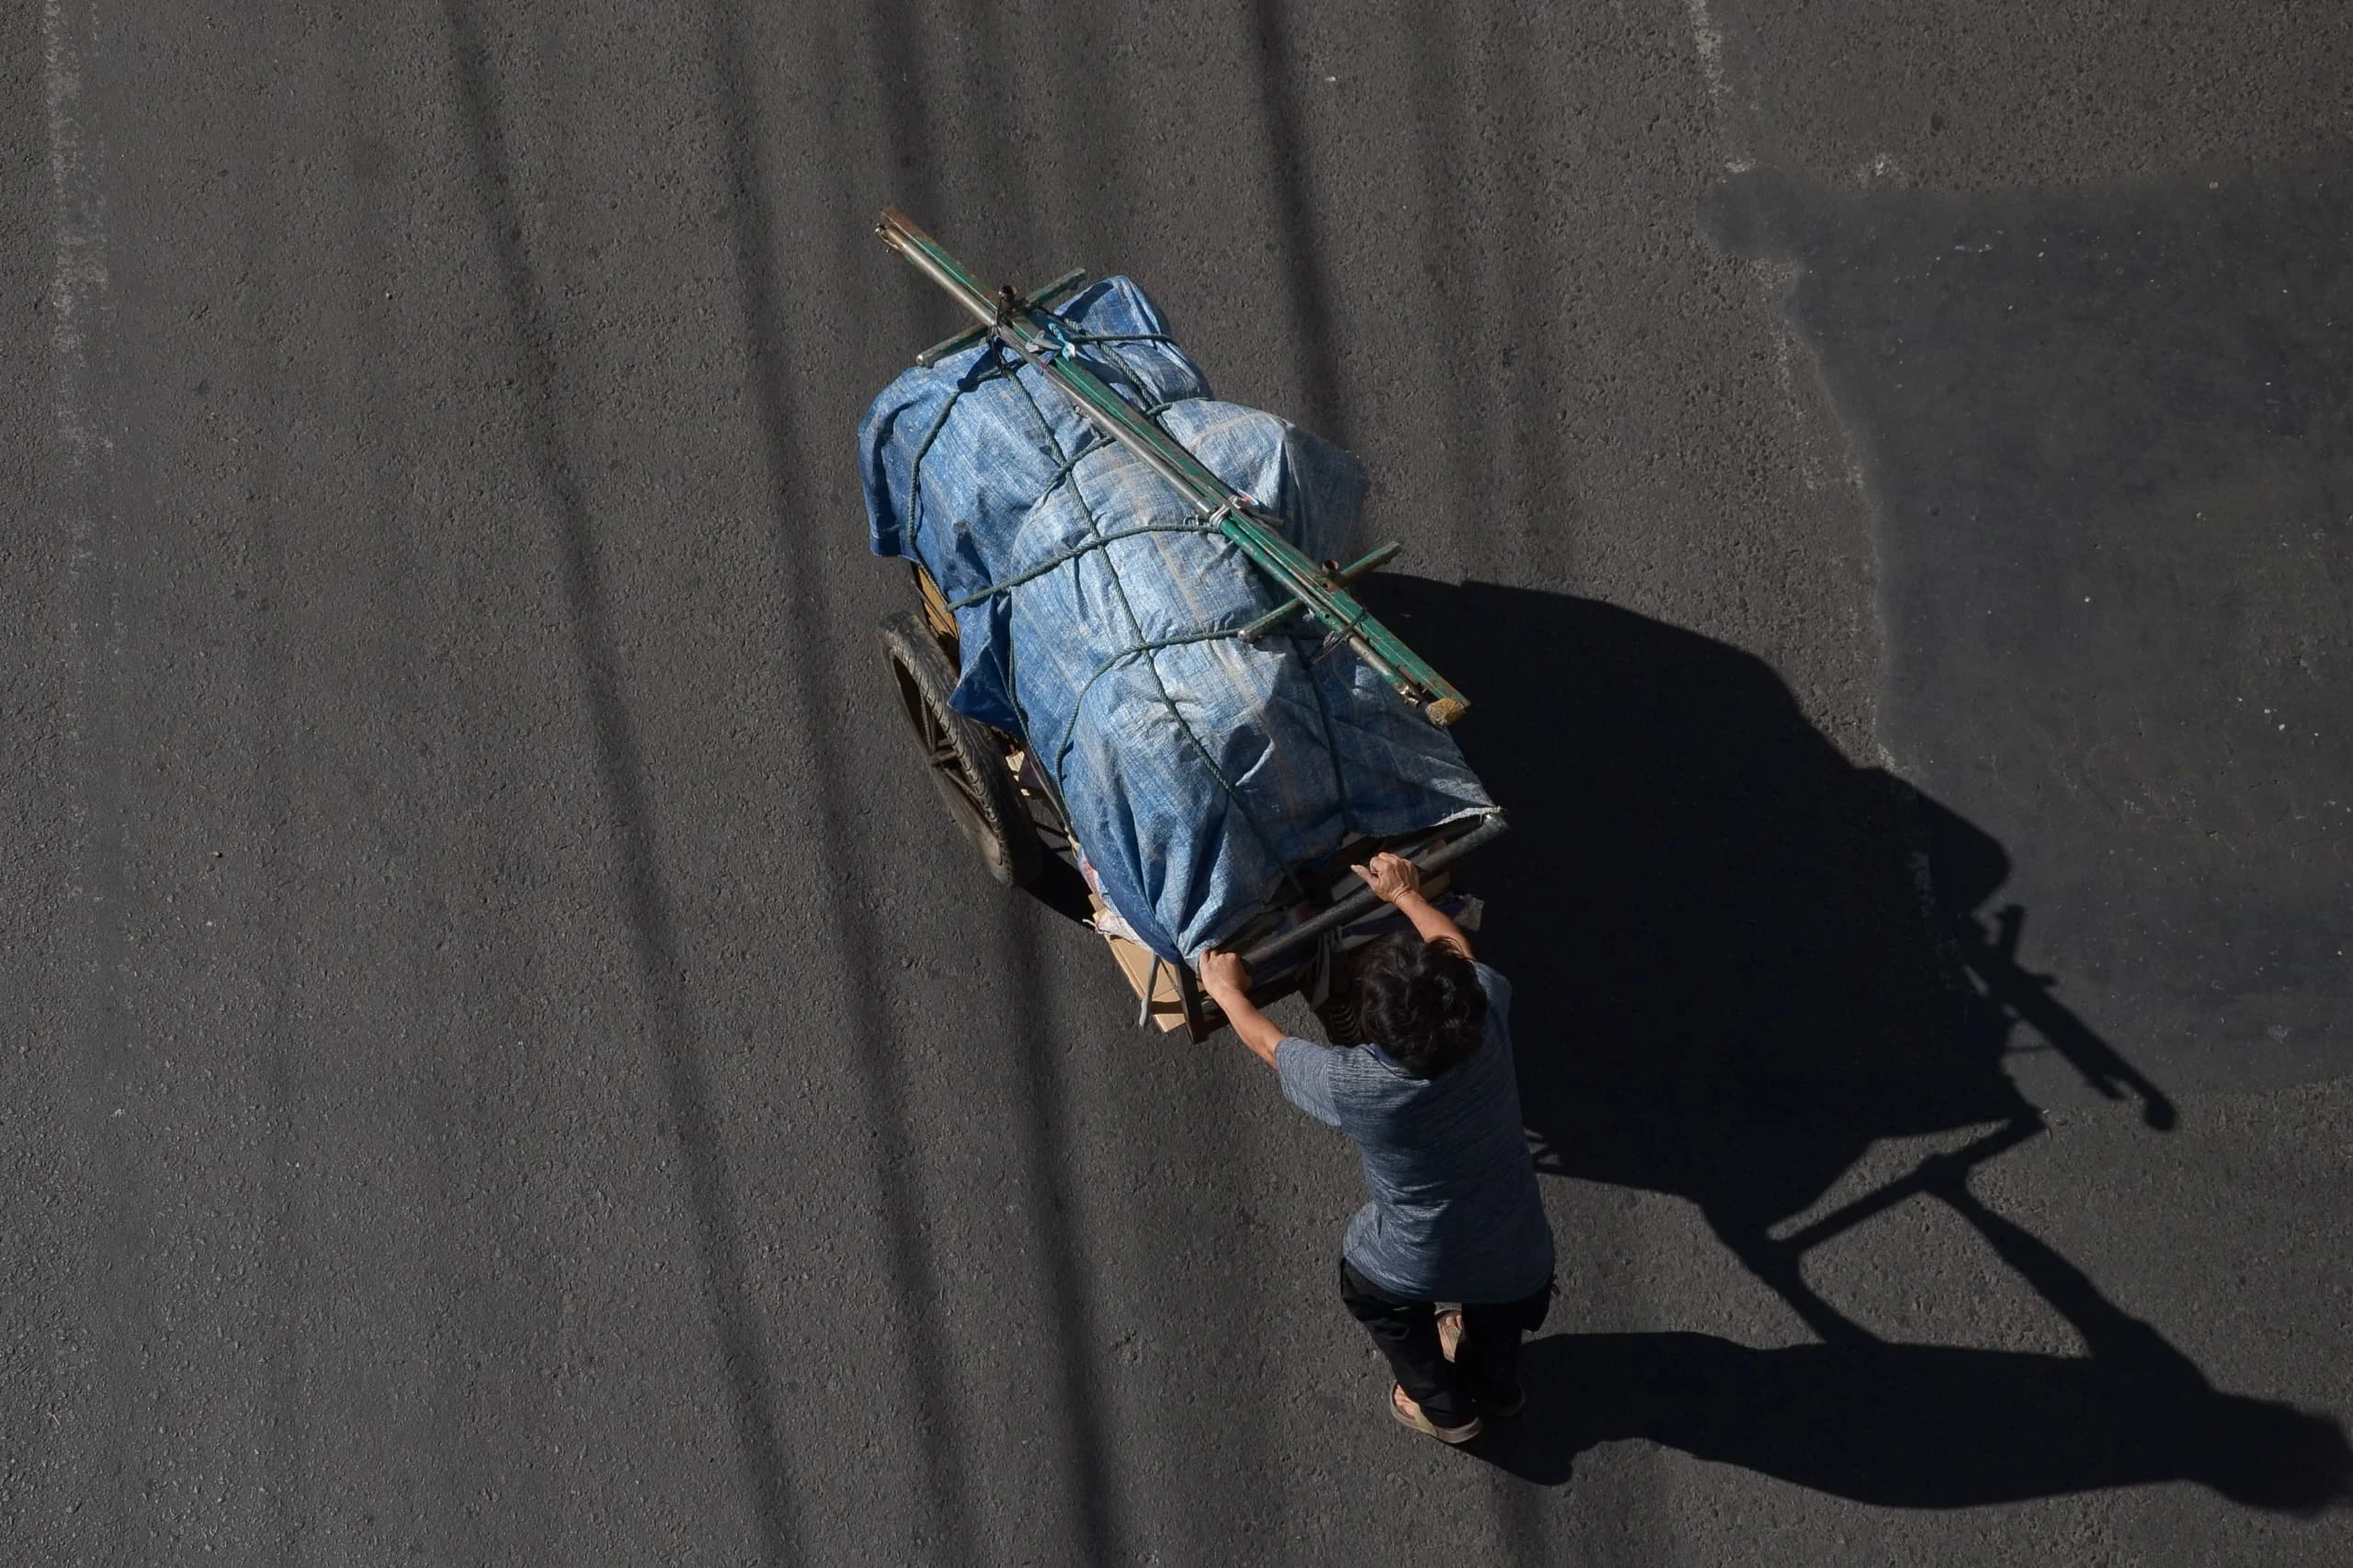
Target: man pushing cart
<point>1136,650</point>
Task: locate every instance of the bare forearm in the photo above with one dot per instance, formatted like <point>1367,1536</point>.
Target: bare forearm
<point>1256,1031</point>
<point>1227,980</point>
<point>1431,925</point>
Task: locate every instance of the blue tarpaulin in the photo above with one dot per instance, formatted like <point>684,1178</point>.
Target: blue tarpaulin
<point>1096,617</point>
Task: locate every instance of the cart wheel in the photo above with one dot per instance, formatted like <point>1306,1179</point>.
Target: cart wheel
<point>966,760</point>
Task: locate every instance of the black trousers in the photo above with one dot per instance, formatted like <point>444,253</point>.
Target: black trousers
<point>1485,1365</point>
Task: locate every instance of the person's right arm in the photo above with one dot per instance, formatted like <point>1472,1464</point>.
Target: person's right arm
<point>1228,984</point>
<point>1304,1070</point>
<point>1398,881</point>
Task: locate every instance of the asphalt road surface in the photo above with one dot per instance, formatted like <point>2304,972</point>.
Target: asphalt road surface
<point>512,1066</point>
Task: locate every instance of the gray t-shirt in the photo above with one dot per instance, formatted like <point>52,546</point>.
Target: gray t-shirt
<point>1455,1215</point>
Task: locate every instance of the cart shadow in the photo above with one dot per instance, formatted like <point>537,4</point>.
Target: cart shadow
<point>1741,961</point>
<point>1741,958</point>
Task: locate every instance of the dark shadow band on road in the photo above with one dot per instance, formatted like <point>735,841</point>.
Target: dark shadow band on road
<point>816,642</point>
<point>645,899</point>
<point>812,644</point>
<point>1048,1187</point>
<point>1301,230</point>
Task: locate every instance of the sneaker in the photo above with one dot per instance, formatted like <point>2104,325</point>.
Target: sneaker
<point>1408,1414</point>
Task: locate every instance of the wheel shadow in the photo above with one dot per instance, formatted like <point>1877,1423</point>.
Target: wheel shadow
<point>1740,961</point>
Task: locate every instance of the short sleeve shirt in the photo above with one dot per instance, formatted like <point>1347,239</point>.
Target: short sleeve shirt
<point>1454,1213</point>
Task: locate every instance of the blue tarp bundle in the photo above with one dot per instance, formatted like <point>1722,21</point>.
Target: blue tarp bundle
<point>1195,770</point>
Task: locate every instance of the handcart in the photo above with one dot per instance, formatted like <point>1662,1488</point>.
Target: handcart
<point>1002,789</point>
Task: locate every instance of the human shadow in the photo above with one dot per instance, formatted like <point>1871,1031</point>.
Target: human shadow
<point>1931,1426</point>
<point>1740,961</point>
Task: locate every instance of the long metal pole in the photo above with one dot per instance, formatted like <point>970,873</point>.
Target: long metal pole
<point>1004,315</point>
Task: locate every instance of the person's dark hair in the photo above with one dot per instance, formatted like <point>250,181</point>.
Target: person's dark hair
<point>1420,1001</point>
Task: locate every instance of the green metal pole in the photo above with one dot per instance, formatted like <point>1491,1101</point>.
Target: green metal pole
<point>1005,314</point>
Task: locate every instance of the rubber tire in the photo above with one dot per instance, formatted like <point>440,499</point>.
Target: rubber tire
<point>980,794</point>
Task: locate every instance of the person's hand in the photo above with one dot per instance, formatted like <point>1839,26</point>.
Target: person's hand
<point>1391,877</point>
<point>1223,975</point>
<point>1227,981</point>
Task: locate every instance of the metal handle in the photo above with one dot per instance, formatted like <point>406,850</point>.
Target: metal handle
<point>1361,901</point>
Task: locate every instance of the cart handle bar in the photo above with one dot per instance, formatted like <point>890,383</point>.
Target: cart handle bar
<point>1361,902</point>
